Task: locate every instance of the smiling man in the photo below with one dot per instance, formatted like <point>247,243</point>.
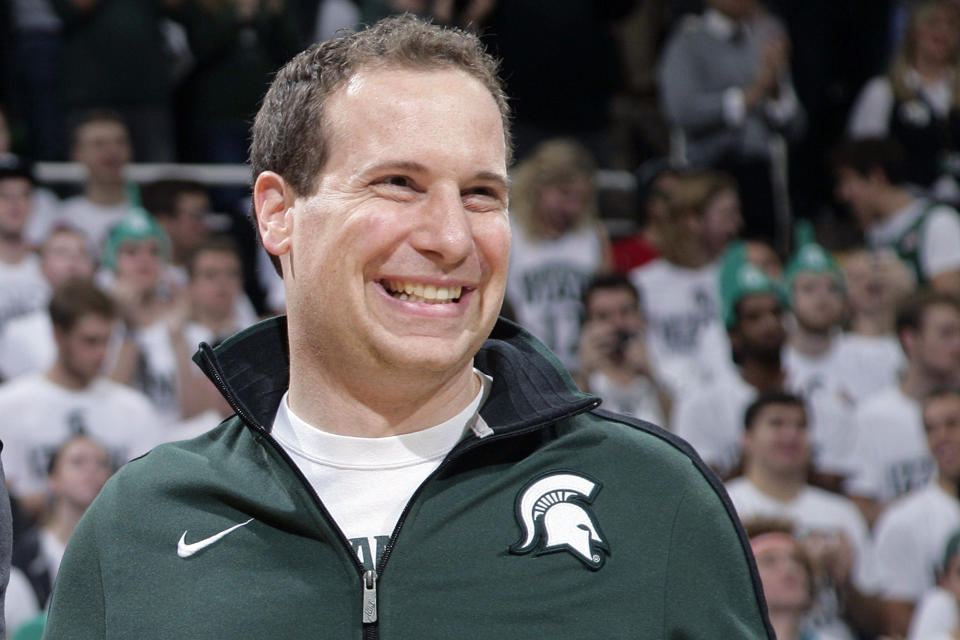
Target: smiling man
<point>401,464</point>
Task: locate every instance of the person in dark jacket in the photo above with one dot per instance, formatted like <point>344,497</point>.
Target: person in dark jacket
<point>400,464</point>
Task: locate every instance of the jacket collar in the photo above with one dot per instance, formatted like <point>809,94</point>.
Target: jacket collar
<point>530,386</point>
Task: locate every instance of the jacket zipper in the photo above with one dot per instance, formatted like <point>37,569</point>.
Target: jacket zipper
<point>368,577</point>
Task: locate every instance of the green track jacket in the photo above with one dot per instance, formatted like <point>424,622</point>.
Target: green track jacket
<point>566,522</point>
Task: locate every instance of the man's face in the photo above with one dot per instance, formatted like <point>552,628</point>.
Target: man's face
<point>187,228</point>
<point>786,583</point>
<point>860,194</point>
<point>817,301</point>
<point>139,263</point>
<point>759,332</point>
<point>616,307</point>
<point>402,251</point>
<point>15,205</point>
<point>935,346</point>
<point>778,441</point>
<point>941,420</point>
<point>65,257</point>
<point>216,282</point>
<point>82,349</point>
<point>103,146</point>
<point>82,468</point>
<point>734,9</point>
<point>721,222</point>
<point>562,206</point>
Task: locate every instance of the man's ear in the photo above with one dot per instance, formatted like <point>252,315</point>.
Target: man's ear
<point>273,200</point>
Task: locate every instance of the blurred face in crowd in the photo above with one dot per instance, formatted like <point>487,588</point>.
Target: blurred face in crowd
<point>658,202</point>
<point>861,194</point>
<point>138,262</point>
<point>187,227</point>
<point>216,282</point>
<point>617,307</point>
<point>937,33</point>
<point>941,420</point>
<point>734,9</point>
<point>935,345</point>
<point>81,469</point>
<point>82,348</point>
<point>562,206</point>
<point>758,331</point>
<point>786,581</point>
<point>777,440</point>
<point>103,147</point>
<point>762,255</point>
<point>16,203</point>
<point>64,256</point>
<point>875,282</point>
<point>818,301</point>
<point>720,222</point>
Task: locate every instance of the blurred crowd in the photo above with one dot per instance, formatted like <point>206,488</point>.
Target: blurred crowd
<point>778,283</point>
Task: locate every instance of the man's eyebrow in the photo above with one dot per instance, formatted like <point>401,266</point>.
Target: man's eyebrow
<point>416,167</point>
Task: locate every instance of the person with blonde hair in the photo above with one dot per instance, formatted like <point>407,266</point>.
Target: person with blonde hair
<point>558,243</point>
<point>917,102</point>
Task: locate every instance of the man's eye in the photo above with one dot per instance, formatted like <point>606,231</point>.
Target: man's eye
<point>397,181</point>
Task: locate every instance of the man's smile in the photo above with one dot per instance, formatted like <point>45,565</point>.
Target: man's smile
<point>419,292</point>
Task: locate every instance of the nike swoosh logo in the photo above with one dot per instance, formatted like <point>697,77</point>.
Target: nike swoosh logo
<point>185,550</point>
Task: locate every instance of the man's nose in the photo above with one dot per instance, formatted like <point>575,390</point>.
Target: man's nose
<point>444,230</point>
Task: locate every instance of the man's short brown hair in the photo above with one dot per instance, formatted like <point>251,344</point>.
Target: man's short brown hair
<point>75,299</point>
<point>289,133</point>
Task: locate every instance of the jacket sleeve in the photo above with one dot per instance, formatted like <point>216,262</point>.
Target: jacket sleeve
<point>712,589</point>
<point>77,606</point>
<point>687,103</point>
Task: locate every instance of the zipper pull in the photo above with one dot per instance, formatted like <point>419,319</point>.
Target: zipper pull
<point>369,596</point>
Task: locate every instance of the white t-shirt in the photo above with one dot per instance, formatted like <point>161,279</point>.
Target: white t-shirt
<point>935,617</point>
<point>20,602</point>
<point>37,416</point>
<point>815,511</point>
<point>546,282</point>
<point>939,240</point>
<point>869,364</point>
<point>156,373</point>
<point>365,483</point>
<point>909,540</point>
<point>890,451</point>
<point>23,289</point>
<point>711,417</point>
<point>638,399</point>
<point>27,345</point>
<point>93,220</point>
<point>678,304</point>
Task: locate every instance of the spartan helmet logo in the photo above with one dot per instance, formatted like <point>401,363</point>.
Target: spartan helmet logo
<point>554,512</point>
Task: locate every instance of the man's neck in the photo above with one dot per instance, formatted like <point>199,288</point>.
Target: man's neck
<point>810,343</point>
<point>931,70</point>
<point>878,323</point>
<point>61,376</point>
<point>13,249</point>
<point>106,194</point>
<point>894,200</point>
<point>63,520</point>
<point>918,384</point>
<point>949,485</point>
<point>764,376</point>
<point>779,486</point>
<point>786,624</point>
<point>374,406</point>
<point>217,323</point>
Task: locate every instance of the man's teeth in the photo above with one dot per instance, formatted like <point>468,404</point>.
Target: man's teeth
<point>415,292</point>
